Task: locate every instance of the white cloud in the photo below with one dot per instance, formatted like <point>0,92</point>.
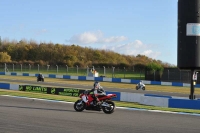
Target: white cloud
<point>95,37</point>
<point>39,32</point>
<point>151,54</point>
<point>114,39</point>
<point>86,37</point>
<point>134,48</point>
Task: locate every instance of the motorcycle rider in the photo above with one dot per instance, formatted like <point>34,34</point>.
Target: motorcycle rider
<point>97,91</point>
<point>40,76</point>
<point>140,84</point>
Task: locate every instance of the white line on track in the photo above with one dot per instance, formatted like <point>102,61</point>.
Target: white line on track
<point>126,108</point>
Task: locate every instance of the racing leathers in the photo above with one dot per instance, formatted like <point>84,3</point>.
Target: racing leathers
<point>96,92</point>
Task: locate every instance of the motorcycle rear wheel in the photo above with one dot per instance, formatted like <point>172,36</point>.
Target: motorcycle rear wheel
<point>109,110</point>
<point>80,107</point>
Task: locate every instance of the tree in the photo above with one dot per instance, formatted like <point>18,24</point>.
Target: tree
<point>139,67</point>
<point>4,57</point>
<point>153,66</point>
<point>50,53</point>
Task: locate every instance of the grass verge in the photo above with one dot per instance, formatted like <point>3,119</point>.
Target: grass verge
<point>153,88</point>
<point>73,99</point>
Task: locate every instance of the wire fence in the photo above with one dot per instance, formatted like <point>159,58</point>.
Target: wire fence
<point>110,72</point>
<point>168,75</point>
<point>177,75</point>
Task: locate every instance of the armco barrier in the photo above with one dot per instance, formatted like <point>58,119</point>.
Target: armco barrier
<point>118,80</point>
<point>5,85</point>
<point>154,101</point>
<point>184,103</point>
<point>117,93</point>
<point>142,99</point>
<point>153,95</point>
<point>8,86</point>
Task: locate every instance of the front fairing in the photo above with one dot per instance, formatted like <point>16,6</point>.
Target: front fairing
<point>84,98</point>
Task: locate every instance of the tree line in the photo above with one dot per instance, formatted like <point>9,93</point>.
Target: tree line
<point>31,52</point>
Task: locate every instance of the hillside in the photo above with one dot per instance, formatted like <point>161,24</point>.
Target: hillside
<point>48,53</point>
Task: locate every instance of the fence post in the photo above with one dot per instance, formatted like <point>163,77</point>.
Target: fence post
<point>48,68</point>
<point>29,67</point>
<point>104,71</point>
<point>56,68</point>
<point>67,68</point>
<point>124,72</point>
<point>168,74</point>
<point>113,71</point>
<point>38,67</point>
<point>5,67</point>
<point>21,67</point>
<point>77,69</point>
<point>87,71</point>
<point>13,67</point>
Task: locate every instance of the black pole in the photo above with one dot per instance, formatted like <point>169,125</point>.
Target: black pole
<point>188,51</point>
<point>192,96</point>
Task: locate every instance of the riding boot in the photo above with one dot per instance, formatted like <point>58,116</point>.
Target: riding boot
<point>95,103</point>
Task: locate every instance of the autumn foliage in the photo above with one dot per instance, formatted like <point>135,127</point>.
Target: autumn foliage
<point>48,53</point>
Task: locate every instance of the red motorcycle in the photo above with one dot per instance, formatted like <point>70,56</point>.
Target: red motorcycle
<point>86,102</point>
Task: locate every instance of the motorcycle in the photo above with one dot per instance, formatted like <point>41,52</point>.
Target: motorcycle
<point>40,78</point>
<point>142,86</point>
<point>86,102</point>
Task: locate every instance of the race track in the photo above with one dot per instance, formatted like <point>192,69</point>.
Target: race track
<point>19,115</point>
<point>81,84</point>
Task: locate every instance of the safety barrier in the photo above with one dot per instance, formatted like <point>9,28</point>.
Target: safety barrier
<point>118,80</point>
<point>146,99</point>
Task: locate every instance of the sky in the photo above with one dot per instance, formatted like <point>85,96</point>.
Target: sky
<point>130,27</point>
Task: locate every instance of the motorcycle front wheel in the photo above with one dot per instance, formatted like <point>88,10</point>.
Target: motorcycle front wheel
<point>136,87</point>
<point>109,110</point>
<point>79,107</point>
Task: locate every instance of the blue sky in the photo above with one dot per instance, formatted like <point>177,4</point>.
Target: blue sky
<point>130,27</point>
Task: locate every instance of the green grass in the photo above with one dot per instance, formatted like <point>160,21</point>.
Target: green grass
<point>118,73</point>
<point>152,88</point>
<point>73,99</point>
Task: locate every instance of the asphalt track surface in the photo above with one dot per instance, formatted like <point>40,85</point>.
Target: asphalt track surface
<point>89,86</point>
<point>19,115</point>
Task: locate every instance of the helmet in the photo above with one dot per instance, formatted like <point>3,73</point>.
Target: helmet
<point>96,84</point>
<point>86,92</point>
